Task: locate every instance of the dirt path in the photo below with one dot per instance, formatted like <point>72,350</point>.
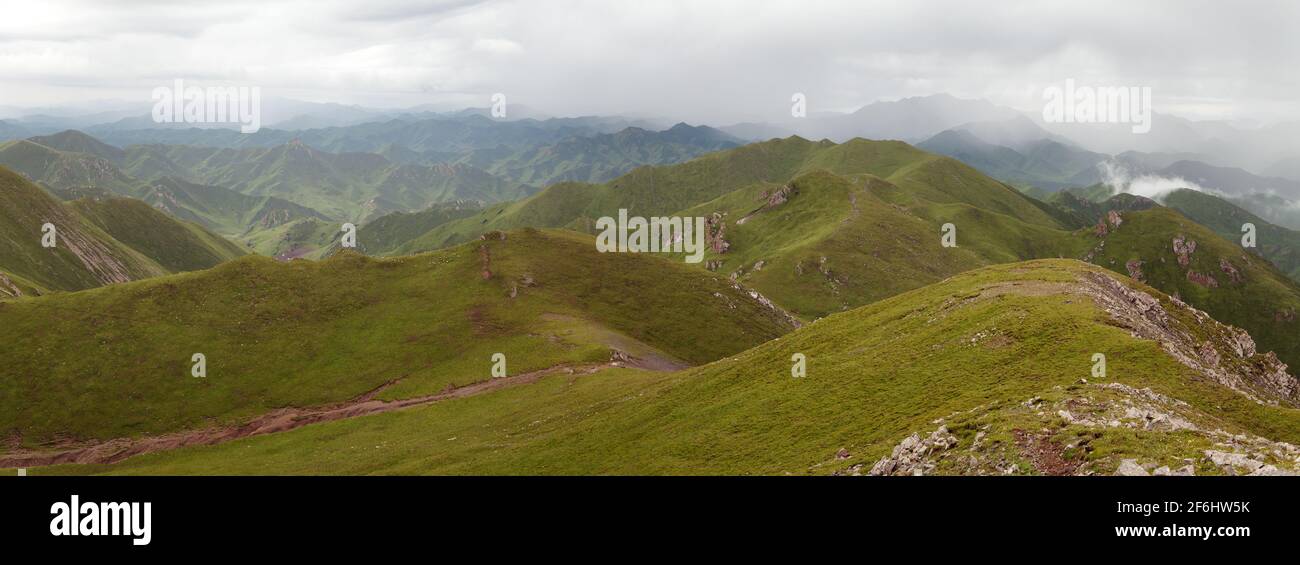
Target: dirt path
<point>284,419</point>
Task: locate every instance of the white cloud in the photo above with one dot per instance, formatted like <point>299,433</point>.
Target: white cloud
<point>711,61</point>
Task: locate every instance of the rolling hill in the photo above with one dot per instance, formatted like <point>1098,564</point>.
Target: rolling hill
<point>1279,245</point>
<point>344,186</point>
<point>662,190</point>
<point>988,372</point>
<point>308,333</point>
<point>600,157</point>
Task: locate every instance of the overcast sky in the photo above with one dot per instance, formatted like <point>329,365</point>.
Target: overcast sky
<point>709,61</point>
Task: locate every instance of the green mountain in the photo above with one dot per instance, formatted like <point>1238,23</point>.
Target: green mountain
<point>73,141</point>
<point>988,372</point>
<point>662,190</point>
<point>97,242</point>
<point>221,209</point>
<point>602,157</point>
<point>802,239</point>
<point>1166,250</point>
<point>1275,243</point>
<point>345,186</point>
<point>307,333</point>
<point>175,245</point>
<point>1045,163</point>
<point>63,170</point>
<point>384,234</point>
<point>1085,212</point>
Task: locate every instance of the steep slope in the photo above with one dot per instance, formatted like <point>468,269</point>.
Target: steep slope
<point>1166,250</point>
<point>175,245</point>
<point>988,372</point>
<point>84,255</point>
<point>225,211</point>
<point>824,243</point>
<point>385,233</point>
<point>1275,243</point>
<point>308,333</point>
<point>98,241</point>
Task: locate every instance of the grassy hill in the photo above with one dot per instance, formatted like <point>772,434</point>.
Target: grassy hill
<point>1045,163</point>
<point>73,141</point>
<point>601,157</point>
<point>663,190</point>
<point>1275,243</point>
<point>345,186</point>
<point>87,253</point>
<point>176,246</point>
<point>987,372</point>
<point>306,333</point>
<point>63,169</point>
<point>385,233</point>
<point>223,210</point>
<point>1165,249</point>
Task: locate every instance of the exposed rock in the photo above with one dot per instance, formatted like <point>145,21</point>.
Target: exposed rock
<point>910,455</point>
<point>1134,267</point>
<point>1233,274</point>
<point>1260,377</point>
<point>1130,468</point>
<point>771,200</point>
<point>8,288</point>
<point>715,232</point>
<point>1234,461</point>
<point>1205,280</point>
<point>1184,248</point>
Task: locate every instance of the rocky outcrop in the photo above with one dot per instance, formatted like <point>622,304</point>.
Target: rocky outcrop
<point>1229,269</point>
<point>8,289</point>
<point>912,456</point>
<point>771,199</point>
<point>1202,279</point>
<point>1183,249</point>
<point>1225,354</point>
<point>715,232</point>
<point>1134,267</point>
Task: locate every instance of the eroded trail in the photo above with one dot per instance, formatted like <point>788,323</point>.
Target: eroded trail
<point>284,419</point>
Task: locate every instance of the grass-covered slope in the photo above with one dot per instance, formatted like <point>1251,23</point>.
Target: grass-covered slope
<point>385,233</point>
<point>221,209</point>
<point>1166,250</point>
<point>98,242</point>
<point>65,170</point>
<point>662,190</point>
<point>991,369</point>
<point>116,361</point>
<point>344,186</point>
<point>84,256</point>
<point>602,157</point>
<point>175,245</point>
<point>1275,243</point>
